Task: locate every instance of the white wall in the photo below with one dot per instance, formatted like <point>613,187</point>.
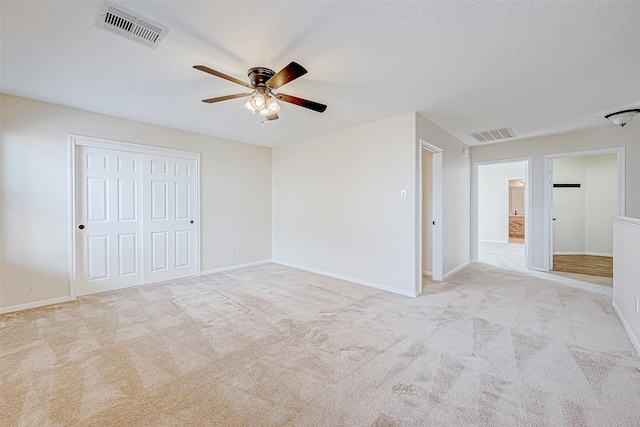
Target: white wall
<point>601,203</point>
<point>606,136</point>
<point>456,193</point>
<point>340,193</point>
<point>569,206</point>
<point>235,190</point>
<point>583,215</point>
<point>493,200</point>
<point>626,270</point>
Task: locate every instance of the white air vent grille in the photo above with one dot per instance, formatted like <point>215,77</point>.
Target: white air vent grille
<point>118,20</point>
<point>492,135</point>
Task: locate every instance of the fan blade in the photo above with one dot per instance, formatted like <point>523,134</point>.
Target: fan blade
<point>224,98</point>
<point>287,74</point>
<point>222,76</point>
<point>315,106</point>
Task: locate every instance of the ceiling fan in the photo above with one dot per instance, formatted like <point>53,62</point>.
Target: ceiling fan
<point>263,82</point>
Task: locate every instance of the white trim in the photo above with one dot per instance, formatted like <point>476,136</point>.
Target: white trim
<point>81,140</point>
<point>625,325</point>
<point>437,264</point>
<point>584,253</point>
<point>528,208</point>
<point>493,241</point>
<point>626,220</point>
<point>235,267</point>
<point>72,219</point>
<point>198,218</point>
<point>548,193</point>
<point>349,279</point>
<point>455,270</point>
<point>528,211</point>
<point>599,254</point>
<point>130,146</point>
<point>34,304</point>
<point>539,269</point>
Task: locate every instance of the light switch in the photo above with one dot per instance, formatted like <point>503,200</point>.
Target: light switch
<point>403,194</point>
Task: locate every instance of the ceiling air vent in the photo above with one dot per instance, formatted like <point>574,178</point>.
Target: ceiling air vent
<point>492,135</point>
<point>118,20</point>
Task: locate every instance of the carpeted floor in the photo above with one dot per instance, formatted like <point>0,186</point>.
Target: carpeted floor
<point>275,346</point>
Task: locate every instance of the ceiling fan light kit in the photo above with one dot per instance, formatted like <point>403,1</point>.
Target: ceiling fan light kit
<point>262,101</point>
<point>621,118</point>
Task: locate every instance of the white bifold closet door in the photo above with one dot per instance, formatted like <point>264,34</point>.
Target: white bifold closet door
<point>135,219</point>
<point>108,228</point>
<point>169,218</point>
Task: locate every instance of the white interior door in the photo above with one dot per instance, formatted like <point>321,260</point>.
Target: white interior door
<point>437,260</point>
<point>550,218</point>
<point>435,192</point>
<point>108,224</point>
<point>169,208</point>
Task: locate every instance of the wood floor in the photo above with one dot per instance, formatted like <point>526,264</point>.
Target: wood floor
<point>584,264</point>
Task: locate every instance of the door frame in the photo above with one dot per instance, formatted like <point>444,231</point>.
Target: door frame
<point>548,192</point>
<point>437,256</point>
<point>80,140</point>
<point>475,226</point>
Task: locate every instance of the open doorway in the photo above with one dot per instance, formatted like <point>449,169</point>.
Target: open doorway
<point>585,190</point>
<point>502,214</point>
<point>430,260</point>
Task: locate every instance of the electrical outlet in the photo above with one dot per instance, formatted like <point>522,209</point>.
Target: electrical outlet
<point>403,194</point>
<point>343,257</point>
<point>232,250</point>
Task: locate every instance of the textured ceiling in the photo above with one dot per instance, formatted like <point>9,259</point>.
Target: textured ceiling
<point>539,67</point>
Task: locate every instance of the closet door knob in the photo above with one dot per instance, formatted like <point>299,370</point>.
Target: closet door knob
<point>81,227</point>
<point>191,222</point>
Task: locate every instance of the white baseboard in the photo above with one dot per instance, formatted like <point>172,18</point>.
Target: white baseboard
<point>34,304</point>
<point>598,254</point>
<point>427,273</point>
<point>493,241</point>
<point>625,325</point>
<point>584,253</point>
<point>234,267</point>
<point>455,270</point>
<point>544,270</point>
<point>349,279</point>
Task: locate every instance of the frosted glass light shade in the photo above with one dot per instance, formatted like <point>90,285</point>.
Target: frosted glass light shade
<point>262,104</point>
<point>621,118</point>
<point>258,101</point>
<point>272,105</point>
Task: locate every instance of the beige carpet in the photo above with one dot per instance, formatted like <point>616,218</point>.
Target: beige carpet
<point>274,346</point>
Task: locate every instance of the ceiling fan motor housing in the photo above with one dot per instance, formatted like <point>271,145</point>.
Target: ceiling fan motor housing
<point>258,76</point>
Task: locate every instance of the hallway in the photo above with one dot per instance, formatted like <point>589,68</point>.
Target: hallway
<point>510,256</point>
